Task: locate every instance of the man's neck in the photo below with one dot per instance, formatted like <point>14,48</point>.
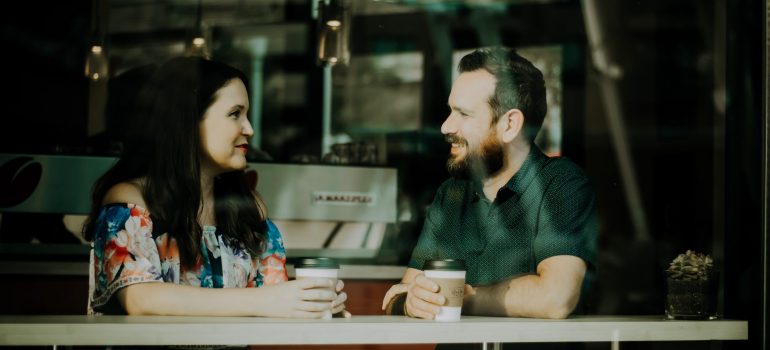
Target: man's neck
<point>514,158</point>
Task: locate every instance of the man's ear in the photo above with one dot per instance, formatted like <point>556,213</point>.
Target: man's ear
<point>513,124</point>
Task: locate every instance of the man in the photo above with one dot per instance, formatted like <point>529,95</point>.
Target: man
<point>523,222</point>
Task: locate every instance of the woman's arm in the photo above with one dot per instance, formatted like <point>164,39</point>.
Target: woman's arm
<point>305,298</point>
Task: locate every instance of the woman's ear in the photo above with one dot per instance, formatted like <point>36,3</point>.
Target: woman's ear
<point>513,124</point>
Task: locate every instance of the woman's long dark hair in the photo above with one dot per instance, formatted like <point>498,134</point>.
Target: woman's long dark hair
<point>164,149</point>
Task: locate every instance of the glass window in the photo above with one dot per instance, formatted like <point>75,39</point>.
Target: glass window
<point>659,102</point>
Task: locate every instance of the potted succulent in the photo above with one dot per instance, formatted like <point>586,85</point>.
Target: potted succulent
<point>692,287</point>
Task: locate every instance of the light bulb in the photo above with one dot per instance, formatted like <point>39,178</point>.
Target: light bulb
<point>197,47</point>
<point>97,65</point>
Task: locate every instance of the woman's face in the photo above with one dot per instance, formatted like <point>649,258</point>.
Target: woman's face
<point>225,130</point>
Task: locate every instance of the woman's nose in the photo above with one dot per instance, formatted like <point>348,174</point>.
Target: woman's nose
<point>246,128</point>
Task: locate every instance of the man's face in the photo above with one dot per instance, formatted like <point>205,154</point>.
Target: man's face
<point>476,150</point>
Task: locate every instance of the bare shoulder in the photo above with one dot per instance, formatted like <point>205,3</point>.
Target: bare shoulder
<point>125,192</point>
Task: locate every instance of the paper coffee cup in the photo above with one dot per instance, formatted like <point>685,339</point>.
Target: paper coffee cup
<point>449,274</point>
<point>318,268</point>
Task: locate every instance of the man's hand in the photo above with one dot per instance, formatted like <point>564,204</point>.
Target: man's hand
<point>422,298</point>
<point>393,292</point>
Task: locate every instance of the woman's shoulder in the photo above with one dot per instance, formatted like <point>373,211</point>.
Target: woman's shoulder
<point>125,192</point>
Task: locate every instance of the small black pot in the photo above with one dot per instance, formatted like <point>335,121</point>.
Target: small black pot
<point>692,300</point>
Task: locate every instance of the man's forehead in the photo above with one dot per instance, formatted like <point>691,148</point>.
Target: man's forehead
<point>471,88</point>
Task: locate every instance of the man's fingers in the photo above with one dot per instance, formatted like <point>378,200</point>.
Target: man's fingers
<point>421,308</point>
<point>426,283</point>
<point>429,296</point>
<point>340,285</point>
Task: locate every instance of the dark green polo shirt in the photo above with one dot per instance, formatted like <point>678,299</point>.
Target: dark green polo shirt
<point>545,209</point>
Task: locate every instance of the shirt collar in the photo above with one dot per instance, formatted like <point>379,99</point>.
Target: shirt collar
<point>520,180</point>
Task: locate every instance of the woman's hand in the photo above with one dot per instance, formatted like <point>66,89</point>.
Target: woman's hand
<point>303,298</point>
<point>338,307</point>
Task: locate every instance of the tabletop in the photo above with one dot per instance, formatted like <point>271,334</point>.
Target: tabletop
<point>176,330</point>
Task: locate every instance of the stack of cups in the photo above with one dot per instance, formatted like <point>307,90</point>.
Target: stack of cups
<point>318,268</point>
<point>449,274</point>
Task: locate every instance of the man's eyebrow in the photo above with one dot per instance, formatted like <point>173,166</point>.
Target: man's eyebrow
<point>458,108</point>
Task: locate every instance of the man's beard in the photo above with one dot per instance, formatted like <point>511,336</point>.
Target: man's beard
<point>478,163</point>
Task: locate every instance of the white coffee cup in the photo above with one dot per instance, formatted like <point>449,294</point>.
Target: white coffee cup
<point>449,274</point>
<point>318,268</point>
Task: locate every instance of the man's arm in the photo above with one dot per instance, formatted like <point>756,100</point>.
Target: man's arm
<point>551,293</point>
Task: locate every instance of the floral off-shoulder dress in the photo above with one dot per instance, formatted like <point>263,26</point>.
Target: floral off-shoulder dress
<point>128,249</point>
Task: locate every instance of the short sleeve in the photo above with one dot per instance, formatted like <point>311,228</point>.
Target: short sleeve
<point>272,261</point>
<point>124,252</point>
<point>567,222</point>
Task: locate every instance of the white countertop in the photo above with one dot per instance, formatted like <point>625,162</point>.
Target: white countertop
<point>159,330</point>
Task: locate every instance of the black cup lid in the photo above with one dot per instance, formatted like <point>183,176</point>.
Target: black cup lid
<point>444,265</point>
<point>316,263</point>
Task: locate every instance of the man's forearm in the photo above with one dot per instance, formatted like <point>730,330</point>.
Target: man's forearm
<point>523,296</point>
<point>486,300</point>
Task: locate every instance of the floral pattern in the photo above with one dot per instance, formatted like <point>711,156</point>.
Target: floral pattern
<point>126,250</point>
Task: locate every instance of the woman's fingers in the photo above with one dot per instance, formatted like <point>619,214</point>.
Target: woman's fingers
<point>339,310</point>
<point>340,285</point>
<point>314,306</point>
<point>340,300</point>
<point>309,314</point>
<point>318,294</point>
<point>309,283</point>
<point>345,314</point>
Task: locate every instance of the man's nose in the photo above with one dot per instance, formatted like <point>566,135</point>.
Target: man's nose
<point>449,126</point>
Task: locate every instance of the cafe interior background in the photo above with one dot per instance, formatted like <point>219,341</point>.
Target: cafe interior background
<point>660,101</point>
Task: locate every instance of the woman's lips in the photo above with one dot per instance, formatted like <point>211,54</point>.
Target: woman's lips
<point>244,148</point>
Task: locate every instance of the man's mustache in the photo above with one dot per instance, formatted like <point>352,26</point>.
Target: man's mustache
<point>455,139</point>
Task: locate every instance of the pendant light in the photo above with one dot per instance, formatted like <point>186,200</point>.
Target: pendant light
<point>97,63</point>
<point>196,44</point>
<point>333,31</point>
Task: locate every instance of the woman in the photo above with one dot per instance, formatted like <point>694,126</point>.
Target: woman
<point>176,209</point>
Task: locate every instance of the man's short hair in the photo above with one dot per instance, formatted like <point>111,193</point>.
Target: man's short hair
<point>519,84</point>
